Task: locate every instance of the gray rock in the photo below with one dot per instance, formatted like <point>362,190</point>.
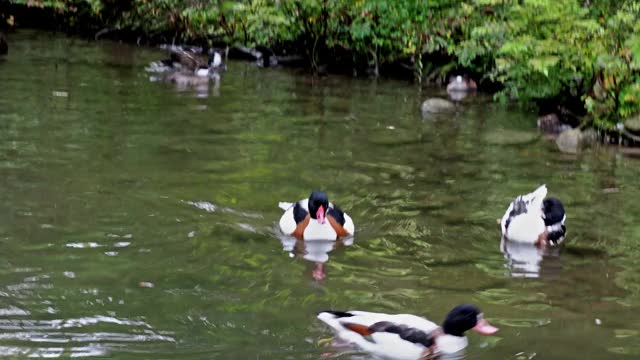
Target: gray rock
<point>573,141</point>
<point>633,123</point>
<point>437,105</point>
<point>569,141</point>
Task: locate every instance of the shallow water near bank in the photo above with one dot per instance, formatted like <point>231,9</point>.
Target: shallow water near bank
<point>138,220</point>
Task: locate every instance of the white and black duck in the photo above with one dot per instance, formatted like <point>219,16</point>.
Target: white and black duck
<point>405,336</point>
<point>188,60</point>
<point>315,218</point>
<point>535,219</point>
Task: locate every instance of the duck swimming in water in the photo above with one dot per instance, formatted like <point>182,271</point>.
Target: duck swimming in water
<point>461,84</point>
<point>188,61</point>
<point>535,219</point>
<point>404,336</point>
<point>200,75</point>
<point>315,218</point>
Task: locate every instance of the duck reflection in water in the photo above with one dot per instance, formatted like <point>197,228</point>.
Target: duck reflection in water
<point>315,251</point>
<point>530,261</point>
<point>201,85</point>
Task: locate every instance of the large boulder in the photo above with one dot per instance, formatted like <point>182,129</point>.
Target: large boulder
<point>633,123</point>
<point>437,105</point>
<point>574,140</point>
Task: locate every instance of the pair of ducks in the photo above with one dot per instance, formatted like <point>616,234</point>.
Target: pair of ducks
<point>532,218</point>
<point>187,68</point>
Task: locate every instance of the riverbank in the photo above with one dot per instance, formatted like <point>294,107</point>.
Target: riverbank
<point>579,61</point>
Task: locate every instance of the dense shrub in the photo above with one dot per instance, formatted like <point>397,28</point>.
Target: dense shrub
<point>535,49</point>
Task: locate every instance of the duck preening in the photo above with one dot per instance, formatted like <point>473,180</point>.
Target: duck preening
<point>405,336</point>
<point>188,60</point>
<point>535,219</point>
<point>315,218</point>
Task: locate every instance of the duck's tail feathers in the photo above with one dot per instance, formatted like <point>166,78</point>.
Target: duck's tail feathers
<point>285,205</point>
<point>536,196</point>
<point>330,317</point>
<point>522,204</point>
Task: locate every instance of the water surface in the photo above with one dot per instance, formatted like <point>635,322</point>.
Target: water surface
<point>137,220</point>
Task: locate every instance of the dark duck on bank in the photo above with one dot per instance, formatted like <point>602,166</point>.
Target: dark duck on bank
<point>535,219</point>
<point>405,336</point>
<point>315,218</point>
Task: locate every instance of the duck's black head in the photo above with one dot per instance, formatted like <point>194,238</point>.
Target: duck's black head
<point>318,205</point>
<point>466,317</point>
<point>553,211</point>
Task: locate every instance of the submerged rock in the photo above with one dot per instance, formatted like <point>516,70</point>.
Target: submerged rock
<point>574,140</point>
<point>395,136</point>
<point>510,137</point>
<point>437,105</point>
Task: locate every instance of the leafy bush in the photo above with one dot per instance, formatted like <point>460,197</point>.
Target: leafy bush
<point>535,49</point>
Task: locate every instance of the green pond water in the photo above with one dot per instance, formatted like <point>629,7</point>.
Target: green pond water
<point>139,221</point>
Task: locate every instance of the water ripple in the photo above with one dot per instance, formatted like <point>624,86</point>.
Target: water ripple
<point>53,332</point>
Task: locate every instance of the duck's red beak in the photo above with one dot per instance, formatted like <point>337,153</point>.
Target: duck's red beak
<point>483,327</point>
<point>320,215</point>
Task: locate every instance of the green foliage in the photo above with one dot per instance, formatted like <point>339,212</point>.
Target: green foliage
<point>534,49</point>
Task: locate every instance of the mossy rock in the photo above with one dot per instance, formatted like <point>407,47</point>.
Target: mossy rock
<point>395,137</point>
<point>570,141</point>
<point>437,105</point>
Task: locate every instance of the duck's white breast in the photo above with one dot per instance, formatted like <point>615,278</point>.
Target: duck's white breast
<point>525,228</point>
<point>317,231</point>
<point>449,344</point>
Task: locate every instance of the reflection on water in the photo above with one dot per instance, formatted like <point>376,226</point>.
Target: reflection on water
<point>315,251</point>
<point>201,89</point>
<point>529,260</point>
<point>137,221</point>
